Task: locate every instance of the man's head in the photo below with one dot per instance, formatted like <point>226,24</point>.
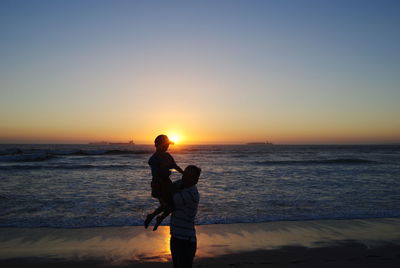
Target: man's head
<point>191,175</point>
<point>162,142</point>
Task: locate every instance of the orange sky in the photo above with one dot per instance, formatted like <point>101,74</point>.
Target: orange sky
<point>220,73</point>
<point>196,135</point>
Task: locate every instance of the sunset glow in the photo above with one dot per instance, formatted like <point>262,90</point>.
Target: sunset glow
<point>226,73</point>
<point>175,138</point>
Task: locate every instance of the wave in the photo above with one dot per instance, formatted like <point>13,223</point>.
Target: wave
<point>69,167</point>
<point>348,161</point>
<point>25,157</point>
<point>10,151</point>
<point>105,152</point>
<point>17,155</point>
<point>96,221</point>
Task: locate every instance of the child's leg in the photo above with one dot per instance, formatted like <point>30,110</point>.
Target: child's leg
<point>160,218</point>
<point>150,216</point>
<point>167,209</point>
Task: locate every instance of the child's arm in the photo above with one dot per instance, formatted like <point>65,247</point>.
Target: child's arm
<point>177,168</point>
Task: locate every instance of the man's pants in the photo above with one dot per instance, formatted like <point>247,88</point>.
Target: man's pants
<point>182,252</point>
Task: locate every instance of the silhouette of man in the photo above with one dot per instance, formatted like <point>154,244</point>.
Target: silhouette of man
<point>183,241</point>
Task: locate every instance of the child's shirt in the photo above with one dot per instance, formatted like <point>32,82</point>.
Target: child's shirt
<point>161,165</point>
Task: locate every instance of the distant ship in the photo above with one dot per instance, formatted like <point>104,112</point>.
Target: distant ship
<point>122,143</point>
<point>259,143</point>
<point>99,142</point>
<point>112,143</point>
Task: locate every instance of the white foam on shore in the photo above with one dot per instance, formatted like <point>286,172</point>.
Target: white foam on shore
<point>135,243</point>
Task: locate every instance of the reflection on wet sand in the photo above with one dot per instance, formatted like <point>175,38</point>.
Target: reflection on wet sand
<point>217,240</point>
<point>119,244</point>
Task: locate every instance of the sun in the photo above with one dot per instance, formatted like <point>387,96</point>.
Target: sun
<point>175,138</point>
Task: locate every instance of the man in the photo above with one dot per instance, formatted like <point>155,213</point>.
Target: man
<point>183,234</point>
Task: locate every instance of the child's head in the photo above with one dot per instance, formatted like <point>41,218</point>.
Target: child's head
<point>191,175</point>
<point>162,143</point>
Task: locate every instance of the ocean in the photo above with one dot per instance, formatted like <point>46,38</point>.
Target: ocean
<point>75,186</point>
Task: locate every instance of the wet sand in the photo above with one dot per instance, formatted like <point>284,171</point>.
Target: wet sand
<point>323,243</point>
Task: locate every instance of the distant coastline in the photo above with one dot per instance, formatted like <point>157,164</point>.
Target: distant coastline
<point>112,143</point>
<point>259,143</point>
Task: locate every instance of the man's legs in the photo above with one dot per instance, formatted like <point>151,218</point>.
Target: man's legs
<point>183,252</point>
<point>190,251</point>
<point>174,247</point>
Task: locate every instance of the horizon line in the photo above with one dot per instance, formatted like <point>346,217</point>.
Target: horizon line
<point>209,144</point>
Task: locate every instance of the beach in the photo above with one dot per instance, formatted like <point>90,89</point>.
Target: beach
<point>327,243</point>
<point>269,125</point>
<point>275,206</point>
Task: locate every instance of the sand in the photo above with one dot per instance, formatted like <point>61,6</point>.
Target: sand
<point>322,243</point>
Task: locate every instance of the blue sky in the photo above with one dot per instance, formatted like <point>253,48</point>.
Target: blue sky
<point>286,71</point>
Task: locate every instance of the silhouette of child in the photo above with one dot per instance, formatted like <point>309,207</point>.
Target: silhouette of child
<point>161,164</point>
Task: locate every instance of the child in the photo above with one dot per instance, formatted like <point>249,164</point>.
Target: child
<point>161,164</point>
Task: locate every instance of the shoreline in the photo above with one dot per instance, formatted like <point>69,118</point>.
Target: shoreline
<point>218,243</point>
<point>344,255</point>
